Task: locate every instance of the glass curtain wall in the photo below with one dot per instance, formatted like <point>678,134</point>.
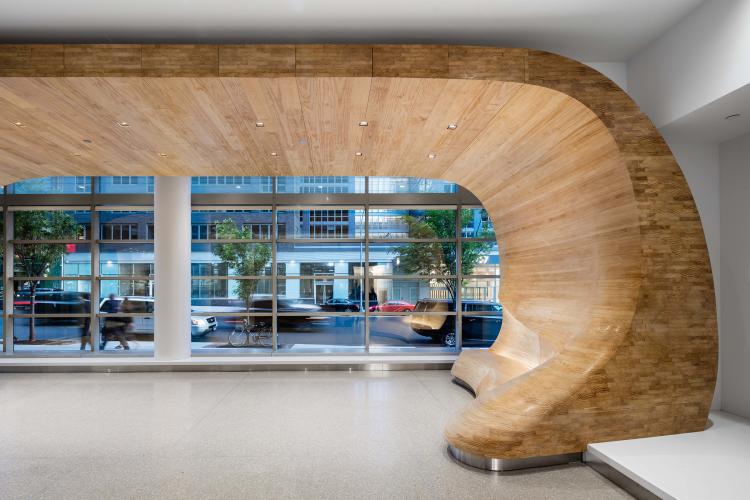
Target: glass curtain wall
<point>125,278</point>
<point>285,264</point>
<point>78,266</point>
<point>383,275</point>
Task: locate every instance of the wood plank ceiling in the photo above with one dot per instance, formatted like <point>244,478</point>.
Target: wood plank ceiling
<point>209,126</point>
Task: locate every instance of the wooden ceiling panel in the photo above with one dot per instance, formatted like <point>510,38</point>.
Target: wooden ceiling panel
<point>276,104</point>
<point>470,105</point>
<point>396,114</point>
<point>332,108</point>
<point>516,137</point>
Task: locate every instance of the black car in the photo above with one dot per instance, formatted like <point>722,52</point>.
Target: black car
<point>300,316</point>
<point>340,305</point>
<point>480,322</point>
<point>49,301</point>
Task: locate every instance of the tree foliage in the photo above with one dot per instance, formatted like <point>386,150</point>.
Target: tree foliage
<point>247,259</point>
<point>436,259</point>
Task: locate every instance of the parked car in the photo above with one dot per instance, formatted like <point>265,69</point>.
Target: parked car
<point>477,329</point>
<point>392,306</point>
<point>51,301</point>
<point>302,316</point>
<point>340,305</point>
<point>199,325</point>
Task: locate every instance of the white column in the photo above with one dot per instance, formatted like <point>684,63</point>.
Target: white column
<point>172,268</point>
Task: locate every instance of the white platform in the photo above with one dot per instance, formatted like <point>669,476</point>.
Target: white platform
<point>711,464</point>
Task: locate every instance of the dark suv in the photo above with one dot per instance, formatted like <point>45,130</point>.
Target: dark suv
<point>480,323</point>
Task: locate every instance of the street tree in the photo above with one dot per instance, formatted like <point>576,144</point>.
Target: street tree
<point>437,259</point>
<point>247,259</point>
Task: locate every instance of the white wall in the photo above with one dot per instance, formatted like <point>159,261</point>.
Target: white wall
<point>700,165</point>
<point>735,275</point>
<point>702,58</point>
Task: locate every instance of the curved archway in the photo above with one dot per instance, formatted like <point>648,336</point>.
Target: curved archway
<point>610,330</point>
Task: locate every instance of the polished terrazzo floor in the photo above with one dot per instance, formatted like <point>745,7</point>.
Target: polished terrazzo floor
<point>249,435</point>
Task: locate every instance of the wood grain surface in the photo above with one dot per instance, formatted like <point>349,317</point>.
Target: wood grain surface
<point>610,321</point>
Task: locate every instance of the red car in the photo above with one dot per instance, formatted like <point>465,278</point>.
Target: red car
<point>392,306</point>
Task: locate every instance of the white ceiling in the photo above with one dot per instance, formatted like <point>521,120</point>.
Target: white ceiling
<point>709,123</point>
<point>588,30</point>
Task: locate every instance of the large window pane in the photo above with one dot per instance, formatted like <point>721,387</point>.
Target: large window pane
<point>51,334</point>
<point>125,288</point>
<point>232,184</point>
<point>52,185</point>
<point>326,293</point>
<point>434,295</point>
<point>60,225</point>
<point>126,333</point>
<point>312,259</point>
<point>481,289</point>
<point>311,184</point>
<point>412,258</point>
<point>412,331</point>
<point>231,259</point>
<point>476,223</point>
<point>480,330</point>
<point>480,258</point>
<point>231,224</point>
<point>51,259</point>
<point>126,259</point>
<point>126,323</point>
<point>299,333</point>
<point>409,185</point>
<point>229,295</point>
<point>251,333</point>
<point>386,223</point>
<point>320,223</point>
<point>51,297</point>
<point>125,184</point>
<point>126,225</point>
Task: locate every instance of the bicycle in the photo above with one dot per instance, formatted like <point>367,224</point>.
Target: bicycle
<point>251,334</point>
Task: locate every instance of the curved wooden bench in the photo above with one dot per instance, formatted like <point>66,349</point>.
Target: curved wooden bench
<point>610,322</point>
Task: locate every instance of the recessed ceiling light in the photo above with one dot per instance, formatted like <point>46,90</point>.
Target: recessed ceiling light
<point>88,141</point>
<point>452,126</point>
<point>75,154</point>
<point>732,116</point>
<point>274,154</point>
<point>163,155</point>
<point>260,124</point>
<point>363,123</point>
<point>123,124</point>
<point>431,156</point>
<point>358,153</point>
<point>19,124</point>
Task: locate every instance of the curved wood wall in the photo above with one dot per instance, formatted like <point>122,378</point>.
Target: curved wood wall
<point>610,322</point>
